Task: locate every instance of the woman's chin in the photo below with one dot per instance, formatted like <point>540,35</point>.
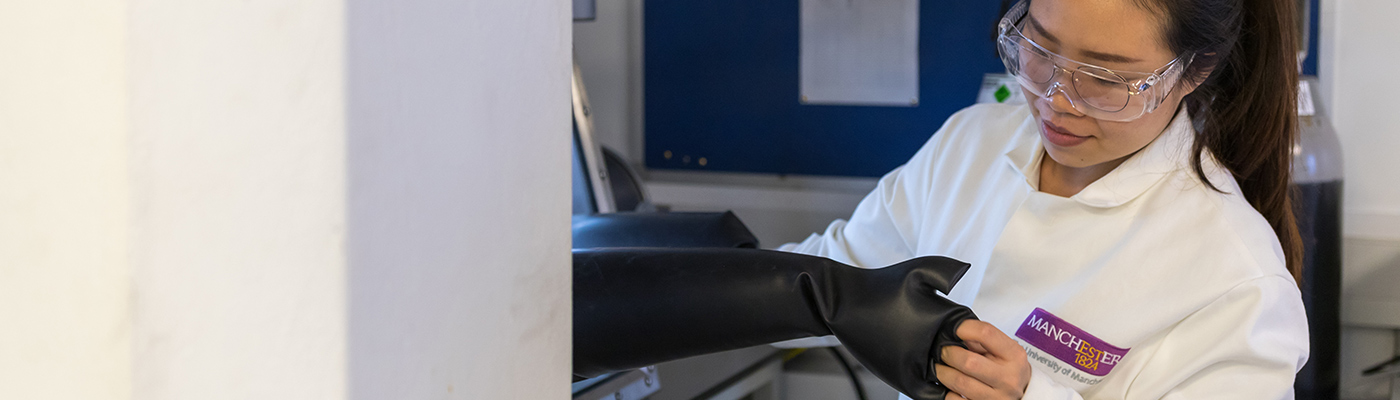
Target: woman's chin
<point>1068,159</point>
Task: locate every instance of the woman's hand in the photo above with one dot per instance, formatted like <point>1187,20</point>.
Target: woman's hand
<point>992,367</point>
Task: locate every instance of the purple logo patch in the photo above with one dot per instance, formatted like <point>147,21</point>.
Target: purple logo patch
<point>1070,344</point>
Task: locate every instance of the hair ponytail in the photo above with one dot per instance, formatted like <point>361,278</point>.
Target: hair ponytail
<point>1246,104</point>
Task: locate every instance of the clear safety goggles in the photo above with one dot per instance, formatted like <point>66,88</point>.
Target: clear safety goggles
<point>1094,91</point>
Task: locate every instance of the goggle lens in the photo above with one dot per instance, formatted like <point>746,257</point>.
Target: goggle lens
<point>1101,89</point>
<point>1035,65</point>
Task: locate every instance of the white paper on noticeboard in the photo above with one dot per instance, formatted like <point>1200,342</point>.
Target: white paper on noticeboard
<point>860,52</point>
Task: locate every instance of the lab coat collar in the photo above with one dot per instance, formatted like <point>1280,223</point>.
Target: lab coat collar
<point>1168,152</point>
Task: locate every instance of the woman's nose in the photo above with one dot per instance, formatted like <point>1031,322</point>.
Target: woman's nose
<point>1060,101</point>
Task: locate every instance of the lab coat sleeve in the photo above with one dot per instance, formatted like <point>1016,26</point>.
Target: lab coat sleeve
<point>1247,344</point>
<point>883,229</point>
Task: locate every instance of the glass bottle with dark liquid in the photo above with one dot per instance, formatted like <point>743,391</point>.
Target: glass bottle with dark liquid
<point>1317,175</point>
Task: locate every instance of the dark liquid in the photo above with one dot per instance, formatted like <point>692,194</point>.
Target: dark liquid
<point>1319,220</point>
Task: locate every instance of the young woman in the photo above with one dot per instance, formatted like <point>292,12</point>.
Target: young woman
<point>1130,227</point>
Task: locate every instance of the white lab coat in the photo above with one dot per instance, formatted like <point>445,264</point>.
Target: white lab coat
<point>1189,280</point>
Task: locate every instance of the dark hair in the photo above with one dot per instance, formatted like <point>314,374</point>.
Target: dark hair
<point>1246,105</point>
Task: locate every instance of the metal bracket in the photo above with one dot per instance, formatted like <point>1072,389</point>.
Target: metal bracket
<point>636,384</point>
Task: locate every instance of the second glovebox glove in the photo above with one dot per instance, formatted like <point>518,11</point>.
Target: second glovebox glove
<point>636,307</point>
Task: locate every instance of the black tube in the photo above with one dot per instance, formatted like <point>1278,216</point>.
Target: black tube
<point>850,372</point>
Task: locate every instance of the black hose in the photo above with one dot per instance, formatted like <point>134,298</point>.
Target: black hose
<point>846,365</point>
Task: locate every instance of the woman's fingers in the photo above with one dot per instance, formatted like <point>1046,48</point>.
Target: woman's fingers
<point>1002,369</point>
<point>962,383</point>
<point>983,336</point>
<point>974,346</point>
<point>955,396</point>
<point>973,364</point>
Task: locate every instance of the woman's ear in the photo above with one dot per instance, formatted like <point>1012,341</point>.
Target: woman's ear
<point>1187,86</point>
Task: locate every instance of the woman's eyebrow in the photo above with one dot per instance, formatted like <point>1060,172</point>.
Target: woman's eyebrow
<point>1040,29</point>
<point>1108,57</point>
<point>1105,57</point>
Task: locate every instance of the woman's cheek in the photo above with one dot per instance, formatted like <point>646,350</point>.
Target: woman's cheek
<point>1122,139</point>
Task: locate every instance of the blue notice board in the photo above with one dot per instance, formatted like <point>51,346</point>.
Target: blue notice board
<point>721,82</point>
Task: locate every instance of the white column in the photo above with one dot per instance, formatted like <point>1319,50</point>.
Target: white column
<point>326,199</point>
<point>64,295</point>
<point>238,190</point>
<point>459,199</point>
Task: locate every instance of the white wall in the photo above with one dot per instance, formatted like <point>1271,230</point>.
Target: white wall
<point>264,199</point>
<point>777,210</point>
<point>1358,51</point>
<point>64,307</point>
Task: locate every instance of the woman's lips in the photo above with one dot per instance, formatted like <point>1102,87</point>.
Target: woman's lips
<point>1059,137</point>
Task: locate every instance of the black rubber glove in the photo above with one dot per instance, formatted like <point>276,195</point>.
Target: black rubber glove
<point>637,307</point>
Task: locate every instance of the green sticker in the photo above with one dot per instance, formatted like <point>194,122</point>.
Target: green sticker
<point>1002,93</point>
